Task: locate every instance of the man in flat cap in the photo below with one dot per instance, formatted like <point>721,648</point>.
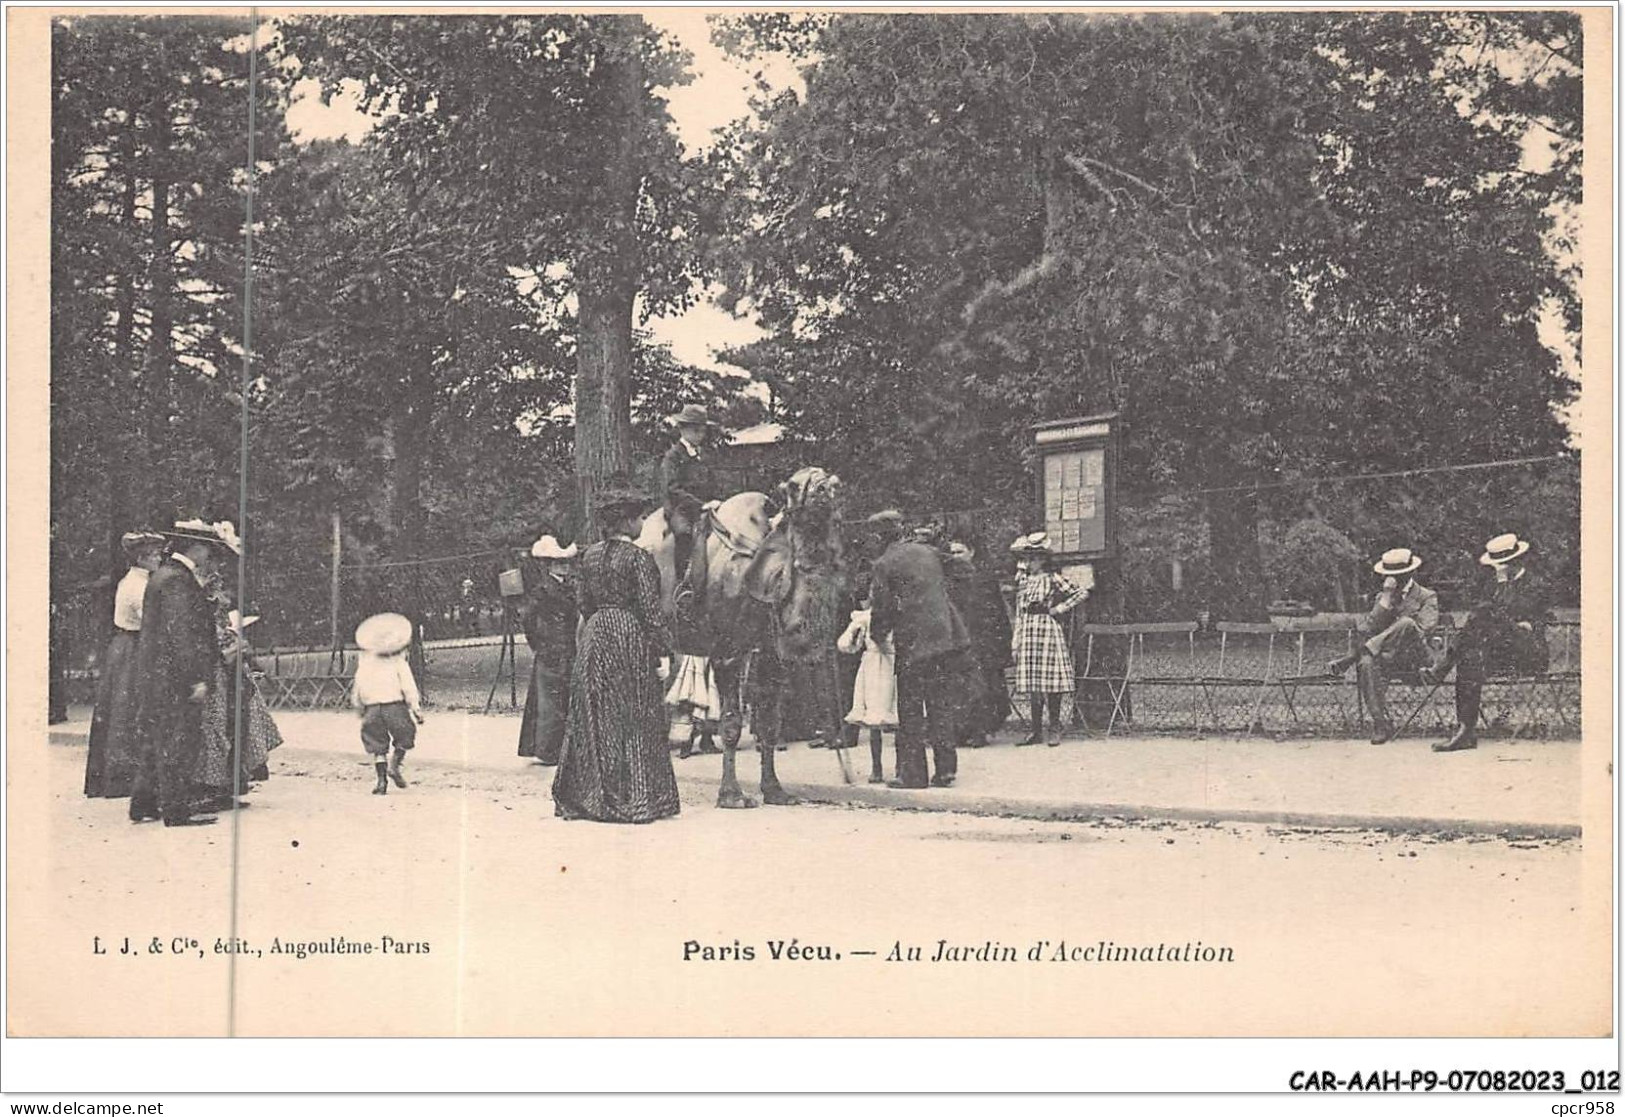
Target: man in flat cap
<point>1396,632</point>
<point>910,602</point>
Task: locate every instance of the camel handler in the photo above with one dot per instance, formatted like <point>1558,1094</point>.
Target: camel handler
<point>689,489</point>
<point>1402,618</point>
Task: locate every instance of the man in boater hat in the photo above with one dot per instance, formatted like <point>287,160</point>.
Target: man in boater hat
<point>175,661</point>
<point>1506,632</point>
<point>686,484</point>
<point>1396,632</point>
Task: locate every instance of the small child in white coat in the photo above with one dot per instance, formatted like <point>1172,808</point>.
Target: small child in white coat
<point>874,692</point>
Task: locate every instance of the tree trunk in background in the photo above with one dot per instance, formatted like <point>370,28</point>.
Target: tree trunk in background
<point>408,430</point>
<point>1237,572</point>
<point>606,289</point>
<point>126,453</point>
<point>155,386</point>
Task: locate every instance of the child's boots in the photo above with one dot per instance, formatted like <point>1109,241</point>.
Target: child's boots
<point>395,768</point>
<point>383,780</point>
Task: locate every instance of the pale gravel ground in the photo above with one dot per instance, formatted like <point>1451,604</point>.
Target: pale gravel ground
<point>538,926</point>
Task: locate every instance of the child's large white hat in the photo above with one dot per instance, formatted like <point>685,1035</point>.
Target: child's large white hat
<point>548,547</point>
<point>385,633</point>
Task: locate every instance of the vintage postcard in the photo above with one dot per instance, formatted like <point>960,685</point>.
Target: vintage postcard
<point>897,523</point>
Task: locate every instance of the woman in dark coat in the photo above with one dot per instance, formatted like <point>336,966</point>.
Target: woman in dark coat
<point>111,766</point>
<point>615,765</point>
<point>550,630</point>
<point>981,604</point>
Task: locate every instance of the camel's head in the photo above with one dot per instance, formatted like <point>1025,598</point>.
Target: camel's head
<point>800,570</point>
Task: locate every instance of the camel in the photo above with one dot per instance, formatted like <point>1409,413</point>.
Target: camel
<point>773,575</point>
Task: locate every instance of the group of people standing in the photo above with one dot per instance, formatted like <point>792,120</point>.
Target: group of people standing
<point>936,638</point>
<point>168,731</point>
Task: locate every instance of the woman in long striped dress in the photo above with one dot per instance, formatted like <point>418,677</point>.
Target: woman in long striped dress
<point>615,765</point>
<point>214,779</point>
<point>1044,669</point>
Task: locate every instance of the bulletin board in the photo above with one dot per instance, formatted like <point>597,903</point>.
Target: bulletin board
<point>1075,489</point>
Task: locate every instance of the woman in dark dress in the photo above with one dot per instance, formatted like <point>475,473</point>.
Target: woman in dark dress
<point>550,630</point>
<point>110,768</point>
<point>615,765</point>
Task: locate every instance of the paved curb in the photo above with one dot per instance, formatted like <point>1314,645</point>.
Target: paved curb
<point>1052,811</point>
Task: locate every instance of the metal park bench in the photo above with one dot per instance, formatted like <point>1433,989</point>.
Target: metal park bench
<point>1256,677</point>
<point>1247,662</point>
<point>306,679</point>
<point>1312,643</point>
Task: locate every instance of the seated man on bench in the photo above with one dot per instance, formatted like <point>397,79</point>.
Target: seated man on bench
<point>1395,635</point>
<point>1505,632</point>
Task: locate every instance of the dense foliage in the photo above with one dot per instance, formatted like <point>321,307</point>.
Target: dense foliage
<point>1281,246</point>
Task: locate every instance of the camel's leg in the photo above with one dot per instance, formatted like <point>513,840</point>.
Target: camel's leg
<point>729,793</point>
<point>768,723</point>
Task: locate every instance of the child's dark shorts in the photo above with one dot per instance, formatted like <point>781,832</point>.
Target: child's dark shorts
<point>385,725</point>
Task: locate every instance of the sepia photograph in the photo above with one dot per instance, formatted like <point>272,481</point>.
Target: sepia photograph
<point>744,522</point>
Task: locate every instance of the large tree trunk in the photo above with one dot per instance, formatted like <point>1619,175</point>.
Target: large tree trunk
<point>606,288</point>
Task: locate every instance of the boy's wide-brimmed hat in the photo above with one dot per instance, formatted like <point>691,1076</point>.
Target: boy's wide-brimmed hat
<point>1400,560</point>
<point>692,415</point>
<point>1503,549</point>
<point>1036,543</point>
<point>890,517</point>
<point>222,533</point>
<point>621,496</point>
<point>133,541</point>
<point>548,547</point>
<point>384,633</point>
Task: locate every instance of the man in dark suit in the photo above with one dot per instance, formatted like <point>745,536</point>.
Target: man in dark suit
<point>686,484</point>
<point>1395,632</point>
<point>1506,631</point>
<point>910,603</point>
<point>174,667</point>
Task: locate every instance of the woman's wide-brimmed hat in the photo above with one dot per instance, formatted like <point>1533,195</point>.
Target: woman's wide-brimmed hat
<point>1503,549</point>
<point>1400,560</point>
<point>222,533</point>
<point>548,547</point>
<point>384,633</point>
<point>692,415</point>
<point>1036,543</point>
<point>133,541</point>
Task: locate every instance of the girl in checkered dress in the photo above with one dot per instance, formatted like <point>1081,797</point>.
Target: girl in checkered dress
<point>1043,658</point>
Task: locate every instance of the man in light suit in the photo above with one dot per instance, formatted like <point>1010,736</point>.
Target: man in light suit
<point>910,602</point>
<point>1396,632</point>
